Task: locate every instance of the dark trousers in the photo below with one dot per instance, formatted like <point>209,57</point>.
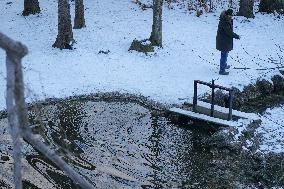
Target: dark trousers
<point>223,61</point>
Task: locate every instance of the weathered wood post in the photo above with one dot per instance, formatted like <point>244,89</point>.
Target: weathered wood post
<point>15,51</point>
<point>18,116</point>
<point>230,104</point>
<point>195,96</point>
<point>212,99</point>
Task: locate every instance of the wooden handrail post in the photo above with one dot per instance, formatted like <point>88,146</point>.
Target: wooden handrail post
<point>13,47</point>
<point>213,87</point>
<point>14,121</point>
<point>212,99</point>
<point>195,96</point>
<point>230,104</point>
<point>18,115</point>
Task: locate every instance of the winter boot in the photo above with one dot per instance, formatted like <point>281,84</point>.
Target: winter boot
<point>223,73</point>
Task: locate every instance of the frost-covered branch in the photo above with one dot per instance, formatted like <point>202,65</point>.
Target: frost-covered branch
<point>277,62</point>
<point>247,68</point>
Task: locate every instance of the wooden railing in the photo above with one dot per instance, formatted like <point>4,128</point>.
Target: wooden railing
<point>213,87</point>
<point>18,117</point>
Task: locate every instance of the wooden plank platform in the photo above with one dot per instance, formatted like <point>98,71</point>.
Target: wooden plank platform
<point>224,110</point>
<point>204,117</point>
<point>217,113</point>
<point>220,114</point>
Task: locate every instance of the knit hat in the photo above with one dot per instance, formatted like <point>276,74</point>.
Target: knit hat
<point>229,12</point>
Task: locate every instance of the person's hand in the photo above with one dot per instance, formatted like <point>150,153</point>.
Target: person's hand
<point>238,37</point>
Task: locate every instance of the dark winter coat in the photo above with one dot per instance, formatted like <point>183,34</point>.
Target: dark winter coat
<point>225,34</point>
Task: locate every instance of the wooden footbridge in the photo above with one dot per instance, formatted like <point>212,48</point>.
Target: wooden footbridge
<point>209,112</point>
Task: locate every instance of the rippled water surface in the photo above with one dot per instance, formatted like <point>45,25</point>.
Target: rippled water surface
<point>113,144</point>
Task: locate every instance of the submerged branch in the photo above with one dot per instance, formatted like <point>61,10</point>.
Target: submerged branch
<point>51,154</point>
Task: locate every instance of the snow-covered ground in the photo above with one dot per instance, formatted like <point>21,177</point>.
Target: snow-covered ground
<point>272,130</point>
<point>167,75</point>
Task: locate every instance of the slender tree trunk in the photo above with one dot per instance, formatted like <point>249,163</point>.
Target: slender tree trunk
<point>79,20</point>
<point>65,34</point>
<point>230,3</point>
<point>246,8</point>
<point>31,7</point>
<point>210,6</point>
<point>270,6</point>
<point>156,35</point>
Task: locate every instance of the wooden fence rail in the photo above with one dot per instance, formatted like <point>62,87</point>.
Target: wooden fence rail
<point>18,117</point>
<point>213,86</point>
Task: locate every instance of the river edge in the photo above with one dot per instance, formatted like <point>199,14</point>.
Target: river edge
<point>232,158</point>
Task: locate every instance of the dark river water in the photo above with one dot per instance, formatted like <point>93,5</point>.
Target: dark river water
<point>113,145</point>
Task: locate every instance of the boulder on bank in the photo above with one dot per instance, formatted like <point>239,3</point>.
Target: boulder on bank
<point>264,87</point>
<point>278,83</point>
<point>141,46</point>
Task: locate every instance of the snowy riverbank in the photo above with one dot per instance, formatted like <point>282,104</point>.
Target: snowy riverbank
<point>166,76</point>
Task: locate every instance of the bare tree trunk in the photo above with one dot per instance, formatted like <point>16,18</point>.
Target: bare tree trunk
<point>246,8</point>
<point>79,20</point>
<point>210,5</point>
<point>230,3</point>
<point>156,34</point>
<point>31,7</point>
<point>270,6</point>
<point>65,34</point>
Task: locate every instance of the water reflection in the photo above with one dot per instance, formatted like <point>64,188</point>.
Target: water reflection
<point>66,129</point>
<point>118,145</point>
<point>50,171</point>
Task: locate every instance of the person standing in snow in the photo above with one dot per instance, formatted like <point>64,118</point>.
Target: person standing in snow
<point>224,39</point>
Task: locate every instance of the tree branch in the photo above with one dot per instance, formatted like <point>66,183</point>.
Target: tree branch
<point>57,160</point>
<point>245,68</point>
